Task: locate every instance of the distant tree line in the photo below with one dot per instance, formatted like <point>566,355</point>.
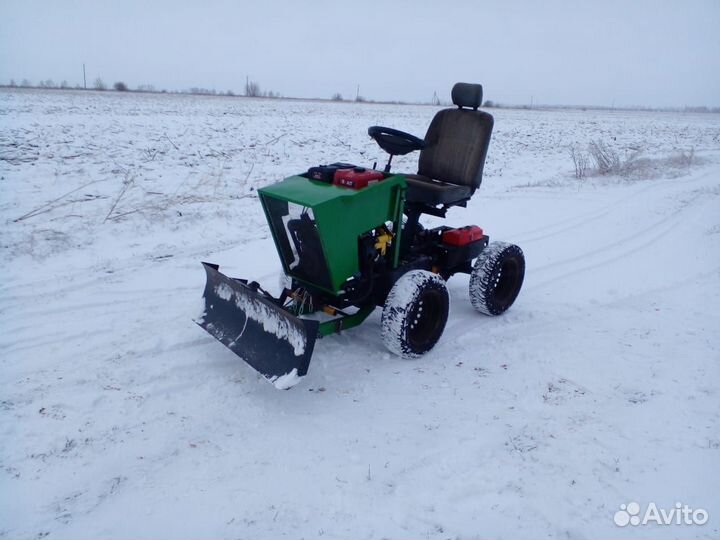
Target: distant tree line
<point>253,89</point>
<point>488,104</point>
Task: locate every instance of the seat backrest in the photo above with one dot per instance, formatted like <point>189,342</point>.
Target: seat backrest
<point>457,140</point>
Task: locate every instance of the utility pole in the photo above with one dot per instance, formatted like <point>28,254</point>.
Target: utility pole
<point>357,94</point>
<point>84,79</point>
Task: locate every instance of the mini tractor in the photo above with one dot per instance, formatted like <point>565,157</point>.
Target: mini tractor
<point>350,240</point>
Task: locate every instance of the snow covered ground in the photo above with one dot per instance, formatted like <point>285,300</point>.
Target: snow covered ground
<point>120,418</point>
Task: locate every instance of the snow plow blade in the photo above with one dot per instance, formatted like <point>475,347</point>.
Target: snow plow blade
<point>273,341</point>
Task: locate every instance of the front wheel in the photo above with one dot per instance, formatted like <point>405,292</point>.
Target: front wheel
<point>496,278</point>
<point>415,313</point>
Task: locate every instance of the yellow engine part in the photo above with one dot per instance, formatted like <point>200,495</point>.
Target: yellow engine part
<point>383,240</point>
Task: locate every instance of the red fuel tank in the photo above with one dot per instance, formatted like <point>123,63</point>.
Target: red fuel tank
<point>357,178</point>
<point>462,236</point>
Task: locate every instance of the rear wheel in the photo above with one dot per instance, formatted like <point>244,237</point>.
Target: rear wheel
<point>496,278</point>
<point>415,313</point>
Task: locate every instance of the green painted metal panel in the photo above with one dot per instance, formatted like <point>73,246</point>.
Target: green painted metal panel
<point>341,215</point>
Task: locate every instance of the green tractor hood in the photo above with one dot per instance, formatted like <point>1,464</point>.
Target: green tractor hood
<point>311,222</point>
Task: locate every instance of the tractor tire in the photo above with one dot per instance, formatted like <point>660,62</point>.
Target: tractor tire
<point>496,278</point>
<point>415,313</point>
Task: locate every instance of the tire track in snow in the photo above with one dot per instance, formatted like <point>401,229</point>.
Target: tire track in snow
<point>102,306</point>
<point>485,331</point>
<point>131,265</point>
<point>55,338</point>
<point>571,223</point>
<point>624,248</point>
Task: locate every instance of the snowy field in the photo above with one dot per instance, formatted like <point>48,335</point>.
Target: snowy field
<point>120,418</point>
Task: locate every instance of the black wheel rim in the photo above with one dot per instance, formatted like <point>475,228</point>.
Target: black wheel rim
<point>508,280</point>
<point>426,321</point>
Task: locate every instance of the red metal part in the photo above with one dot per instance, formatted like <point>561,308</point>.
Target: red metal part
<point>356,178</point>
<point>462,236</point>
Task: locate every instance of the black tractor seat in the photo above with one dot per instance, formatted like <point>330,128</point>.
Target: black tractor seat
<point>452,155</point>
<point>422,189</point>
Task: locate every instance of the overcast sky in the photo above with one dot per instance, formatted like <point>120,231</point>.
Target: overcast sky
<point>656,53</point>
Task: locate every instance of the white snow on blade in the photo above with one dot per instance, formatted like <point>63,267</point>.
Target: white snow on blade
<point>224,292</point>
<point>272,321</point>
<point>283,382</point>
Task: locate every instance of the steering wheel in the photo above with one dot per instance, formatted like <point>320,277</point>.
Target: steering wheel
<point>394,141</point>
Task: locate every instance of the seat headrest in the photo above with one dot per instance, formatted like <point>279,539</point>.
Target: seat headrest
<point>467,95</point>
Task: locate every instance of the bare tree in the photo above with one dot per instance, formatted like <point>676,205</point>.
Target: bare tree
<point>201,91</point>
<point>606,159</point>
<point>252,89</point>
<point>12,83</point>
<point>99,84</point>
<point>64,84</point>
<point>337,96</point>
<point>580,160</point>
<point>120,86</point>
<point>25,83</point>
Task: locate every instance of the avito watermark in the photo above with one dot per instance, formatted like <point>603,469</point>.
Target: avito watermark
<point>680,514</point>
